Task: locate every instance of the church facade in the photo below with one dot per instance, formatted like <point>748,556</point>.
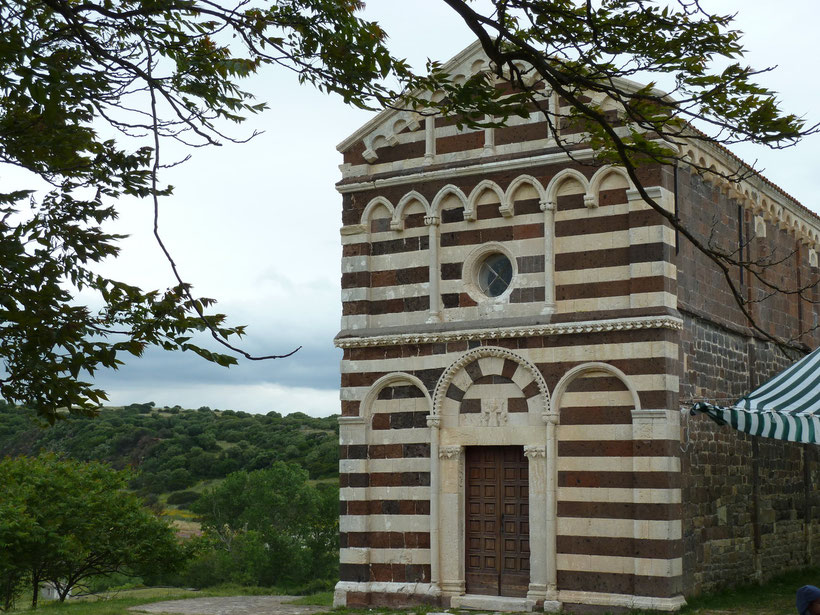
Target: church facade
<point>520,332</point>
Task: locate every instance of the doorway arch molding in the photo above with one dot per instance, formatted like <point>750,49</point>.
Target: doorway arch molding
<point>447,480</point>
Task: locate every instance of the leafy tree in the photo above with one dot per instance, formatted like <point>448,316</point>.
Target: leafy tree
<point>66,522</point>
<point>271,526</point>
<point>585,52</point>
<point>169,70</point>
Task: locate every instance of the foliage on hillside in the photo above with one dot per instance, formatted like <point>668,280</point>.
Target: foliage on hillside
<point>172,449</point>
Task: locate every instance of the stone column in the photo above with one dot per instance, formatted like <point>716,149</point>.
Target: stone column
<point>429,139</point>
<point>432,223</point>
<point>551,602</point>
<point>538,521</point>
<point>451,520</point>
<point>548,207</point>
<point>434,423</point>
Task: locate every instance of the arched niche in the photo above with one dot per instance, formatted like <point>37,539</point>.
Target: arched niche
<point>595,382</point>
<point>393,392</point>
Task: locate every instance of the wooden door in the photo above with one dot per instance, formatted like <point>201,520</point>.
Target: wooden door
<point>497,524</point>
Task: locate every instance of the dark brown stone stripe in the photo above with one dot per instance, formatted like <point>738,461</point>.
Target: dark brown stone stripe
<point>385,540</point>
<point>613,257</point>
<point>509,369</point>
<point>387,306</point>
<point>474,371</point>
<point>470,406</point>
<point>407,391</point>
<point>530,294</point>
<point>398,277</point>
<point>401,573</point>
<point>395,246</point>
<point>384,451</point>
<point>384,507</point>
<point>614,288</point>
<point>596,384</point>
<point>531,390</point>
<point>517,404</point>
<point>455,393</point>
<point>620,547</point>
<point>612,583</point>
<point>493,379</point>
<point>402,151</point>
<point>618,448</point>
<point>399,420</point>
<point>620,510</point>
<point>356,249</point>
<point>383,599</point>
<point>596,415</point>
<point>589,226</point>
<point>534,131</point>
<point>384,479</point>
<point>452,271</point>
<point>615,480</point>
<point>460,143</point>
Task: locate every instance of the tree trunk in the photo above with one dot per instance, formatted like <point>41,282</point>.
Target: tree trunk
<point>35,589</point>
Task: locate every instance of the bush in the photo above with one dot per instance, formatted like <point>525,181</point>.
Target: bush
<point>181,498</point>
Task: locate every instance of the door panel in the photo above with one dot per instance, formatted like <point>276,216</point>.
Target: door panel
<point>497,524</point>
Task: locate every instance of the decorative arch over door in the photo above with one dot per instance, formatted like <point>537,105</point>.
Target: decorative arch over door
<point>491,397</point>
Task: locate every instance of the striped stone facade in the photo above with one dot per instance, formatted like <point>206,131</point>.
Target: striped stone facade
<point>578,362</point>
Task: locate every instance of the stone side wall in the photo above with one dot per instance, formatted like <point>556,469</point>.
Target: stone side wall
<point>746,501</point>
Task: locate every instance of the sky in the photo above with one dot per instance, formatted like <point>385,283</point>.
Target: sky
<point>256,226</point>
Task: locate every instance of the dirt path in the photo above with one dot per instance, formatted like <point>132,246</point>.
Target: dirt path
<point>232,605</point>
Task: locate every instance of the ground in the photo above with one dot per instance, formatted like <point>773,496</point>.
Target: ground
<point>232,605</point>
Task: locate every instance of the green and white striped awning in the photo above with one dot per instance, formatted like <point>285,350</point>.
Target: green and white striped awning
<point>787,407</point>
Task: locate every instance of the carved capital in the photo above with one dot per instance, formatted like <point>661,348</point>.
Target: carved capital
<point>431,220</point>
<point>590,201</point>
<point>450,452</point>
<point>535,452</point>
<point>547,205</point>
<point>550,418</point>
<point>434,421</point>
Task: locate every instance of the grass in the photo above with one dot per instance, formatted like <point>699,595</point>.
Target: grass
<point>320,599</point>
<point>774,598</point>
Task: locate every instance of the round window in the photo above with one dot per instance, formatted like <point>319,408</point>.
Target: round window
<point>495,274</point>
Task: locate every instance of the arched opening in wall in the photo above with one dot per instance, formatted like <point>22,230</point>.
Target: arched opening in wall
<point>397,401</point>
<point>569,194</point>
<point>492,482</point>
<point>596,482</point>
<point>379,219</point>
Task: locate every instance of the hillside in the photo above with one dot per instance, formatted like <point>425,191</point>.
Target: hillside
<point>172,449</point>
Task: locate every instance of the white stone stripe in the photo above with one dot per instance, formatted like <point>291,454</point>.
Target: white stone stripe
<point>384,556</point>
<point>640,496</point>
<point>617,432</point>
<point>400,436</point>
<point>382,587</point>
<point>619,464</point>
<point>384,523</point>
<point>400,291</point>
<point>620,565</point>
<point>603,352</point>
<point>617,273</point>
<point>620,528</point>
<point>360,494</point>
<point>647,603</point>
<point>413,464</point>
<point>617,302</point>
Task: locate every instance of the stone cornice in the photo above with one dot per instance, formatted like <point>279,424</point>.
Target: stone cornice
<point>594,326</point>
